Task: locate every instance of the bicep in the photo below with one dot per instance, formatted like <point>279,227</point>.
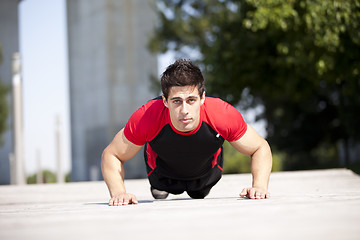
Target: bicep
<point>122,148</point>
<point>249,143</point>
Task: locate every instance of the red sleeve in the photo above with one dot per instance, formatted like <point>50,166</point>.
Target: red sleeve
<point>145,123</point>
<point>225,119</point>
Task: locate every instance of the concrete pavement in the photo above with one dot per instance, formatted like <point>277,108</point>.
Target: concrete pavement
<point>322,204</point>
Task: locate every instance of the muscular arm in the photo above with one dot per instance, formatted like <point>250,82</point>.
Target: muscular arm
<point>115,154</point>
<point>252,144</point>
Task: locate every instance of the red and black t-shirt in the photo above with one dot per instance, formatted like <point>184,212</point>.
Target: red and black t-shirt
<point>184,155</point>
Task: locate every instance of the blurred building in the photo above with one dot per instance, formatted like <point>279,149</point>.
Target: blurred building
<point>109,71</point>
<point>9,41</point>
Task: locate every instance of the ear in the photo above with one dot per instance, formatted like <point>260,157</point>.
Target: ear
<point>164,101</point>
<point>202,99</point>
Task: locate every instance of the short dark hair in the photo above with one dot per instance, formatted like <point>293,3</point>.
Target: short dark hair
<point>182,73</point>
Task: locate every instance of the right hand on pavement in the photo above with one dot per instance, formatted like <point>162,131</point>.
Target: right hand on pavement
<point>123,199</point>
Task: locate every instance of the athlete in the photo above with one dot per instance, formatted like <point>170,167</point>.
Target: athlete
<point>182,133</point>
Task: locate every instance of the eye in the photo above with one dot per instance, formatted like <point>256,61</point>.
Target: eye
<point>191,100</point>
<point>176,101</point>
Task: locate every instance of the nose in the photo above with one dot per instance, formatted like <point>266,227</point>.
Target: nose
<point>184,108</point>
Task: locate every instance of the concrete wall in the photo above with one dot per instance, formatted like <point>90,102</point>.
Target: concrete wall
<point>110,69</point>
<point>9,40</point>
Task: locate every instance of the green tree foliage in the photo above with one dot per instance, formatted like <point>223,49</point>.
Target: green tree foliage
<point>300,59</point>
<point>235,162</point>
<point>4,106</point>
<point>47,177</point>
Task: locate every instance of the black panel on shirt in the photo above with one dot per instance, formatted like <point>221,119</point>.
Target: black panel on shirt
<point>185,156</point>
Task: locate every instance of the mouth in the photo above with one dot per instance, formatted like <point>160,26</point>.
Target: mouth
<point>186,120</point>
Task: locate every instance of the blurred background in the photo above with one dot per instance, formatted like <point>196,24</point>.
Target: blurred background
<point>292,68</point>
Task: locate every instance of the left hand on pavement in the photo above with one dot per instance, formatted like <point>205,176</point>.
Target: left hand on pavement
<point>255,193</point>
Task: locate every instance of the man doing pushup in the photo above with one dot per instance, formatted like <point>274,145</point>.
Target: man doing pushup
<point>182,133</point>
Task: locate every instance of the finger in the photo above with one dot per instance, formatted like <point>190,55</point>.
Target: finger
<point>111,202</point>
<point>117,201</point>
<point>244,192</point>
<point>267,195</point>
<point>121,200</point>
<point>134,200</point>
<point>258,195</point>
<point>126,200</point>
<point>130,199</point>
<point>252,193</point>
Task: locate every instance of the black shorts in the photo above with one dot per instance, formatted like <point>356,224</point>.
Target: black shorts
<point>178,186</point>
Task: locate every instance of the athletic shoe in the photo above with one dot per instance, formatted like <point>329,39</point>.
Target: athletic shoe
<point>158,194</point>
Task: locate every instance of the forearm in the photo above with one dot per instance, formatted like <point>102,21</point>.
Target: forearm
<point>113,173</point>
<point>261,165</point>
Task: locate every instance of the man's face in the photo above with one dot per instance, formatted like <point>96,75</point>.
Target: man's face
<point>184,107</point>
